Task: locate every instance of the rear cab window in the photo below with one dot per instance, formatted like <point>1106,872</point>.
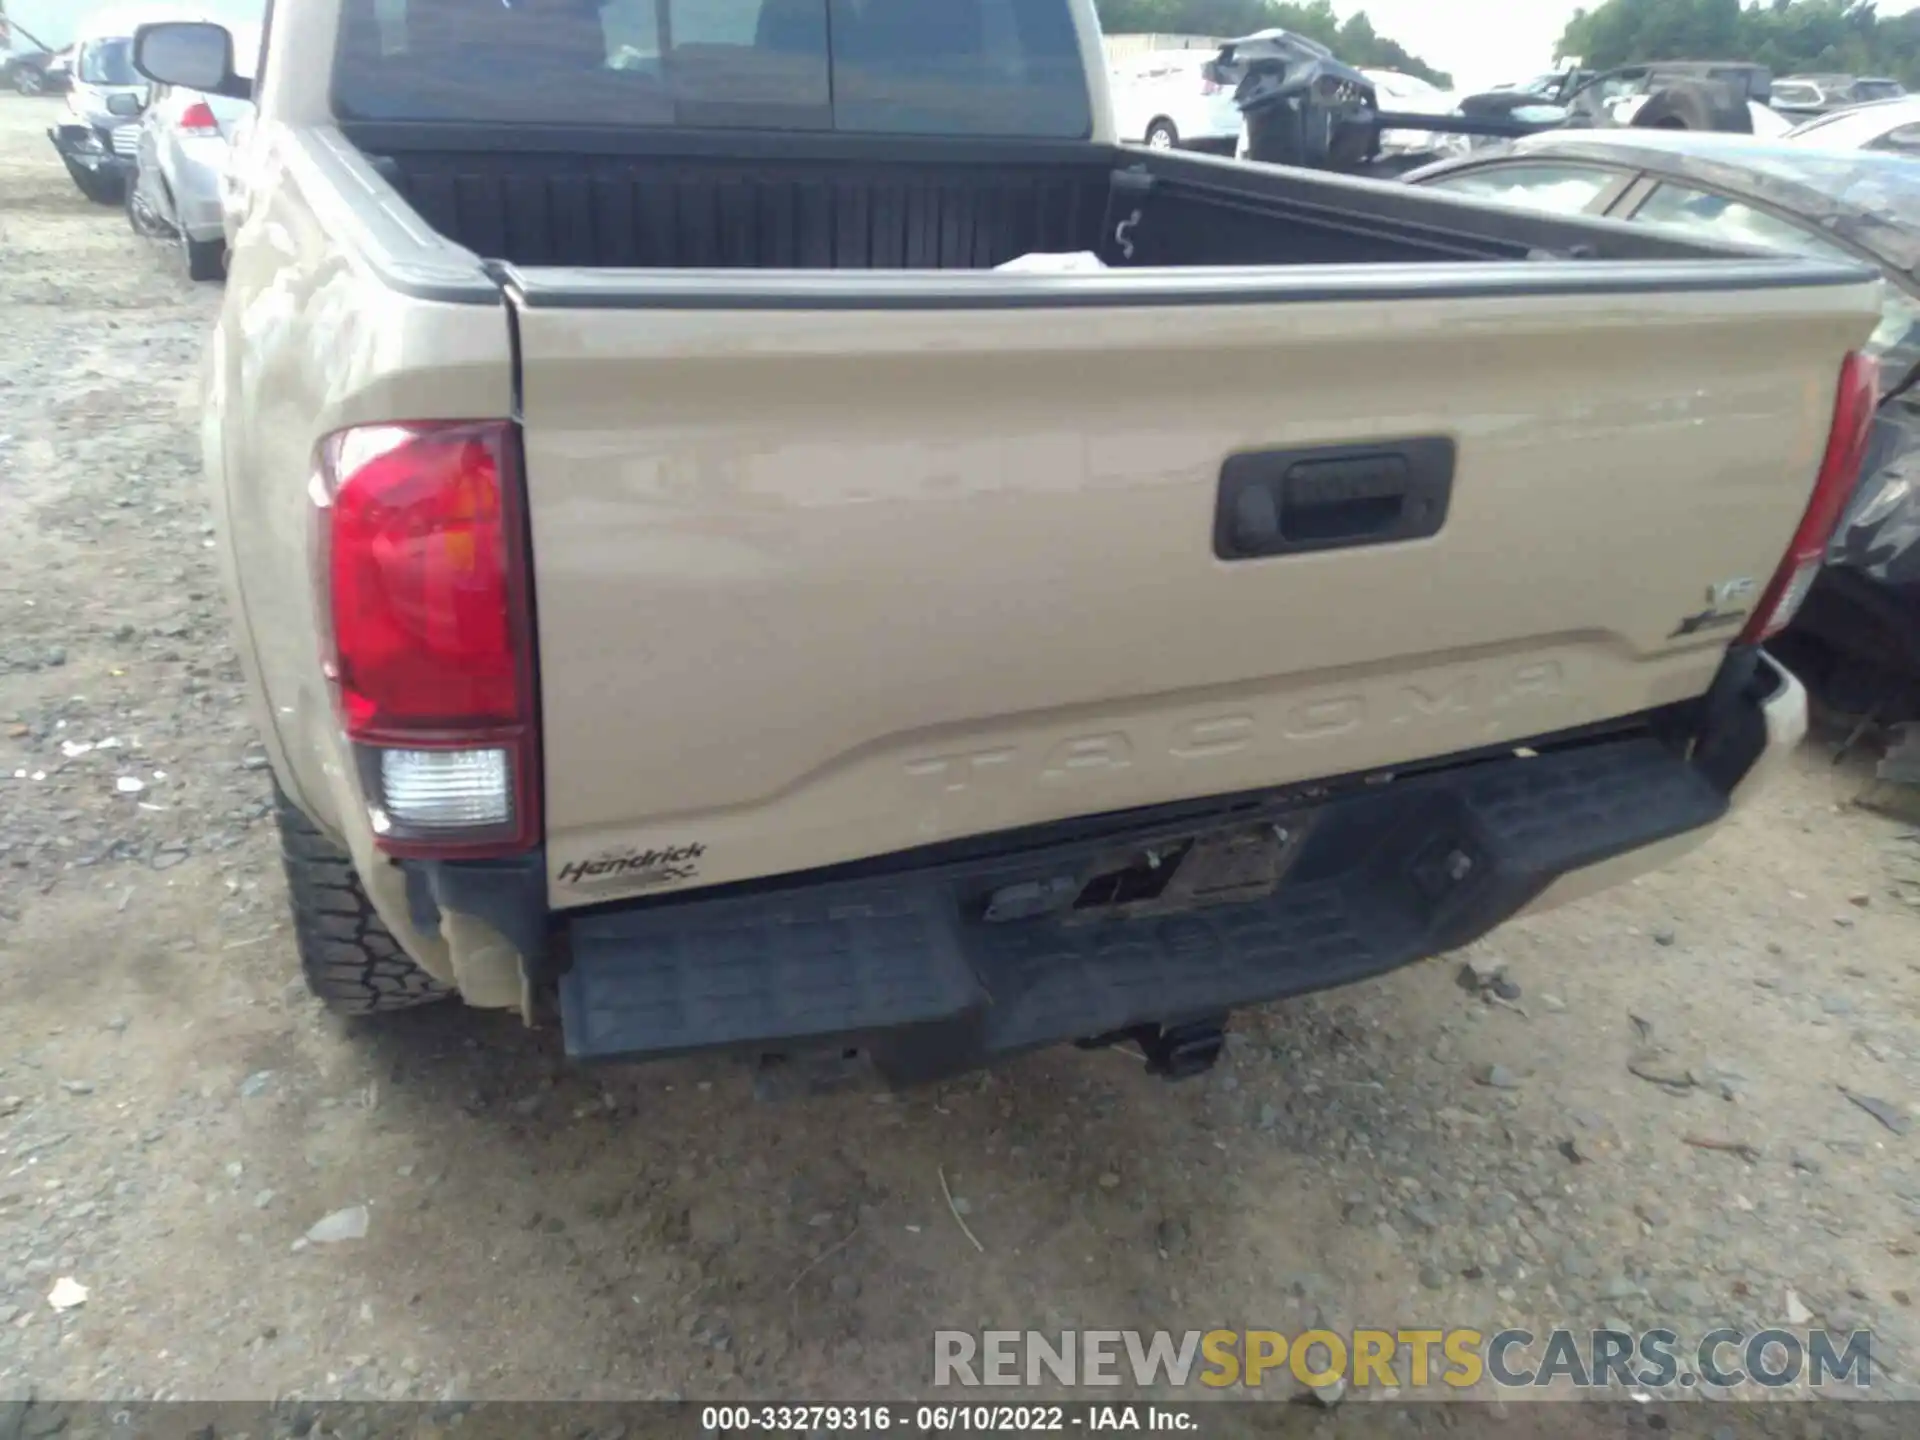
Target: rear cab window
<point>900,67</point>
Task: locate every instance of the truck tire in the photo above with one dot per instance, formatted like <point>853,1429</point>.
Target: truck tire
<point>1694,105</point>
<point>349,959</point>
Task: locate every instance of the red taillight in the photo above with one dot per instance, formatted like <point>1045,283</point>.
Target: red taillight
<point>423,555</point>
<point>198,119</point>
<point>1209,86</point>
<point>1853,409</point>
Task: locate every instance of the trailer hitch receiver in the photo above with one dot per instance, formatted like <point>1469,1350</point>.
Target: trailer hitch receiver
<point>1173,1052</point>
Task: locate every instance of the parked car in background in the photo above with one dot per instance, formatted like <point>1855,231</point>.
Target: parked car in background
<point>1301,106</point>
<point>33,71</point>
<point>1411,94</point>
<point>1768,123</point>
<point>1856,641</point>
<point>99,132</point>
<point>1889,125</point>
<point>1801,96</point>
<point>1667,95</point>
<point>1761,120</point>
<point>1165,99</point>
<point>185,148</point>
<point>57,78</point>
<point>1798,98</point>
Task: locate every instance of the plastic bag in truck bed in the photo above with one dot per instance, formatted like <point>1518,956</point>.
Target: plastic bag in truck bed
<point>1075,262</point>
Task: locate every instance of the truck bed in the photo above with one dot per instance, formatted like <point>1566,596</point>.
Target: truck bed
<point>589,201</point>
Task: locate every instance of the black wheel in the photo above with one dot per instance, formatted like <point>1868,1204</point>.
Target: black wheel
<point>206,259</point>
<point>348,957</point>
<point>140,217</point>
<point>1162,135</point>
<point>101,188</point>
<point>1695,105</point>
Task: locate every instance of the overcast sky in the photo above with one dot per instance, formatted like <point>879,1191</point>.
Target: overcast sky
<point>1485,42</point>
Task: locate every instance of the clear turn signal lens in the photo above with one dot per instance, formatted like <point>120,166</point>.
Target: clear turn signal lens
<point>432,791</point>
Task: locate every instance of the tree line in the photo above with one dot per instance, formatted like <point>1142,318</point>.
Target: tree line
<point>1787,36</point>
<point>1354,40</point>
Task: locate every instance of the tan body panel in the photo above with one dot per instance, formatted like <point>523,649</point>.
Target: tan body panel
<point>1785,716</point>
<point>820,585</point>
<point>311,339</point>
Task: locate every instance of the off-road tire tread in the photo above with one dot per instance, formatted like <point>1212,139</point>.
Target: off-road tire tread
<point>350,960</point>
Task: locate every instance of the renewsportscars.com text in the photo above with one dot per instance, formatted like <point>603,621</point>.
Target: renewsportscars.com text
<point>1413,1358</point>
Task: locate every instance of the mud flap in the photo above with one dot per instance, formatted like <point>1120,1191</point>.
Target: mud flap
<point>486,967</point>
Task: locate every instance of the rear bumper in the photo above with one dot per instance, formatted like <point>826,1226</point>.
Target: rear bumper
<point>906,966</point>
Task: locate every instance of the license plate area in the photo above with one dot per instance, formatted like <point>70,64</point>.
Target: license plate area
<point>1166,876</point>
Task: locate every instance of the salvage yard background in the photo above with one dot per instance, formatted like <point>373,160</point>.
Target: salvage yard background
<point>176,1115</point>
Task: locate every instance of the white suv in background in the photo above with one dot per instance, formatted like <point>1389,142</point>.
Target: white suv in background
<point>1411,95</point>
<point>1164,99</point>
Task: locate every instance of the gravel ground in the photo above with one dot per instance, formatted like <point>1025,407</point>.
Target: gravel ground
<point>175,1114</point>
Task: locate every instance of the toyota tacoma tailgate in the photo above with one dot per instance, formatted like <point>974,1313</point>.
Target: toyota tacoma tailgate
<point>829,578</point>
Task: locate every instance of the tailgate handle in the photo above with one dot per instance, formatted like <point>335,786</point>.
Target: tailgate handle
<point>1344,499</point>
<point>1280,502</point>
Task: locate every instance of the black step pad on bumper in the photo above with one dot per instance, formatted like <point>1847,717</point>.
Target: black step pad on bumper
<point>907,966</point>
<point>805,964</point>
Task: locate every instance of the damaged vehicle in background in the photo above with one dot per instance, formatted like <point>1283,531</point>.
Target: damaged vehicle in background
<point>180,190</point>
<point>1892,126</point>
<point>1301,106</point>
<point>1801,97</point>
<point>1410,95</point>
<point>1730,97</point>
<point>1856,640</point>
<point>99,133</point>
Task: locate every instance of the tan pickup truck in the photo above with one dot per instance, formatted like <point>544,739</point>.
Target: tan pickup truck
<point>692,589</point>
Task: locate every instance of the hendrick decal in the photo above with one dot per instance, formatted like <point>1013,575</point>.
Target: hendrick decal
<point>632,869</point>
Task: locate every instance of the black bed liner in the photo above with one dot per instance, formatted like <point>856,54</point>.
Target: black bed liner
<point>696,201</point>
<point>704,214</point>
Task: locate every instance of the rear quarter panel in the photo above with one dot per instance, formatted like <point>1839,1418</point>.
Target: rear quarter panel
<point>193,165</point>
<point>313,336</point>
